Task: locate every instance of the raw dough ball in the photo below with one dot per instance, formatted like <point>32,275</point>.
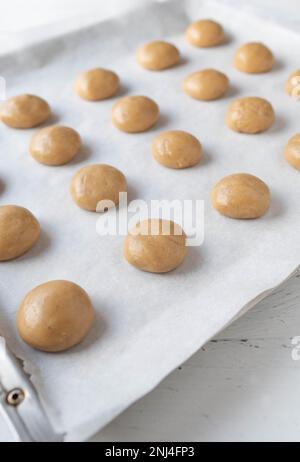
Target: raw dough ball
<point>292,151</point>
<point>97,183</point>
<point>24,111</point>
<point>157,56</point>
<point>293,85</point>
<point>250,115</point>
<point>55,145</point>
<point>156,246</point>
<point>206,85</point>
<point>55,316</point>
<point>19,231</point>
<point>177,149</point>
<point>254,58</point>
<point>135,114</point>
<point>205,33</point>
<point>97,84</point>
<point>241,196</point>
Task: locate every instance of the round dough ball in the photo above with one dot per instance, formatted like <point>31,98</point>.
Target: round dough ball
<point>55,145</point>
<point>97,183</point>
<point>293,85</point>
<point>55,316</point>
<point>205,33</point>
<point>206,85</point>
<point>292,151</point>
<point>254,58</point>
<point>156,246</point>
<point>135,114</point>
<point>241,196</point>
<point>19,231</point>
<point>158,56</point>
<point>24,111</point>
<point>250,115</point>
<point>97,85</point>
<point>177,149</point>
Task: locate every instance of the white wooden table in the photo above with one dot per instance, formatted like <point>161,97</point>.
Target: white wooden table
<point>244,385</point>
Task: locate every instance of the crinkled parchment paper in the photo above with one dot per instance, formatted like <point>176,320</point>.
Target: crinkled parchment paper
<point>146,324</point>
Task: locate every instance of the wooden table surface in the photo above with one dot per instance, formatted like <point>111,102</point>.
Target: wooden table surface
<point>242,386</point>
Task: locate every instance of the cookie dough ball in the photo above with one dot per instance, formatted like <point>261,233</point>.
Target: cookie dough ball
<point>55,145</point>
<point>97,85</point>
<point>254,58</point>
<point>55,316</point>
<point>177,149</point>
<point>292,151</point>
<point>156,246</point>
<point>24,111</point>
<point>97,183</point>
<point>293,85</point>
<point>158,56</point>
<point>206,85</point>
<point>250,115</point>
<point>205,33</point>
<point>135,114</point>
<point>241,196</point>
<point>19,231</point>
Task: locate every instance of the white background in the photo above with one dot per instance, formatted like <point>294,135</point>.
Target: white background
<point>19,15</point>
<point>242,387</point>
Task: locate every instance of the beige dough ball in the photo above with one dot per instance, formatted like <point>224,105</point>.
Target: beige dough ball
<point>177,149</point>
<point>135,114</point>
<point>250,115</point>
<point>205,33</point>
<point>158,56</point>
<point>293,85</point>
<point>254,58</point>
<point>19,231</point>
<point>292,151</point>
<point>97,85</point>
<point>241,196</point>
<point>206,85</point>
<point>156,246</point>
<point>24,111</point>
<point>97,183</point>
<point>55,145</point>
<point>55,316</point>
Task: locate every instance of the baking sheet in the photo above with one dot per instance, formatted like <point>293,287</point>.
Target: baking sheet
<point>146,324</point>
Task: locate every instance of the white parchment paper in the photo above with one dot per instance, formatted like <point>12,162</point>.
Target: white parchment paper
<point>146,324</point>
